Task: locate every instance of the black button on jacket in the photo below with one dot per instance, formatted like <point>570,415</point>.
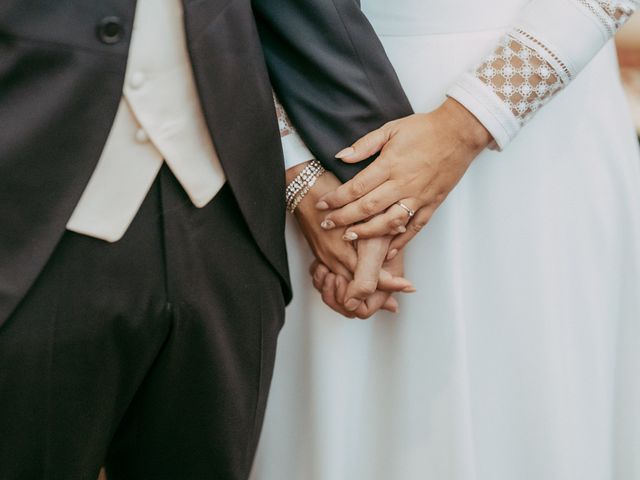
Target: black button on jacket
<point>110,30</point>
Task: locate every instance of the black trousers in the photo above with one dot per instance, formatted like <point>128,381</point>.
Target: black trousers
<point>152,355</point>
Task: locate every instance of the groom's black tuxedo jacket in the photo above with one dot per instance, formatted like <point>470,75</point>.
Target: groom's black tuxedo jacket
<point>62,67</point>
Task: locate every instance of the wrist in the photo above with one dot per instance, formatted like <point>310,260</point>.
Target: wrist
<point>469,130</point>
<point>328,182</point>
<point>302,184</point>
<point>293,172</point>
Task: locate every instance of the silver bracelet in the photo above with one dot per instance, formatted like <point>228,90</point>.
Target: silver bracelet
<point>302,184</point>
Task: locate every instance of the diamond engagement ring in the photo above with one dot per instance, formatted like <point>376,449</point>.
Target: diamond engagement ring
<point>410,212</point>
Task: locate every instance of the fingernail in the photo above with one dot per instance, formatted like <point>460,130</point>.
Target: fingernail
<point>327,225</point>
<point>401,229</point>
<point>350,236</point>
<point>409,290</point>
<point>392,254</point>
<point>395,306</point>
<point>352,304</point>
<point>347,152</point>
<point>322,205</point>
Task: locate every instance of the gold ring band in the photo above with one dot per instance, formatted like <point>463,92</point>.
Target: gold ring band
<point>410,212</point>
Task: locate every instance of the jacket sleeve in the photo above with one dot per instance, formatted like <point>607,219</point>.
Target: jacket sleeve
<point>551,43</point>
<point>330,72</point>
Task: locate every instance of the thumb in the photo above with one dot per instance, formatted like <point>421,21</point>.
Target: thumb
<point>371,256</point>
<point>365,147</point>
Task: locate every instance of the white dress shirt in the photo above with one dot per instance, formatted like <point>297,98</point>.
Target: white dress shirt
<point>159,120</point>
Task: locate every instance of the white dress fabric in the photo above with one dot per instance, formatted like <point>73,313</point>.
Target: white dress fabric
<point>519,356</point>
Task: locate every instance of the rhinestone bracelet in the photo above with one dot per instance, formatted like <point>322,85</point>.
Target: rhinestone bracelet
<point>302,184</point>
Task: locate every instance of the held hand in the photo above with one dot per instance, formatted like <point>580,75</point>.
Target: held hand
<point>422,158</point>
<point>333,289</point>
<point>362,294</point>
<point>329,247</point>
<point>383,300</point>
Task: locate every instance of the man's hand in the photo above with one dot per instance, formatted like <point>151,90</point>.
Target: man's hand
<point>329,247</point>
<point>422,158</point>
<point>362,294</point>
<point>333,289</point>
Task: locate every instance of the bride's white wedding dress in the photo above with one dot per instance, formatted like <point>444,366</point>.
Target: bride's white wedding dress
<point>519,357</point>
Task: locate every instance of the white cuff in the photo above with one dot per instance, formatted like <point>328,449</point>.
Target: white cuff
<point>487,107</point>
<point>295,151</point>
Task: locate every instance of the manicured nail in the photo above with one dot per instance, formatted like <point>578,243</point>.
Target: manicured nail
<point>401,230</point>
<point>409,290</point>
<point>347,152</point>
<point>392,254</point>
<point>350,236</point>
<point>352,304</point>
<point>322,205</point>
<point>395,307</point>
<point>327,225</point>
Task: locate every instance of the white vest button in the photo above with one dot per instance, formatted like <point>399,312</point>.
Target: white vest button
<point>137,80</point>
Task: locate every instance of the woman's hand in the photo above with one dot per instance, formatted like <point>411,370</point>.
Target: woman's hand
<point>329,248</point>
<point>422,158</point>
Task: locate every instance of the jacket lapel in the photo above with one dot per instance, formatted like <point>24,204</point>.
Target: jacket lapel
<point>236,97</point>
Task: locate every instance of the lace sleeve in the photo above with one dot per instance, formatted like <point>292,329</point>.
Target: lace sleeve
<point>283,119</point>
<point>537,59</point>
<point>294,149</point>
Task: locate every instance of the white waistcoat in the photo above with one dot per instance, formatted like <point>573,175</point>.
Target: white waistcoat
<point>159,119</point>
